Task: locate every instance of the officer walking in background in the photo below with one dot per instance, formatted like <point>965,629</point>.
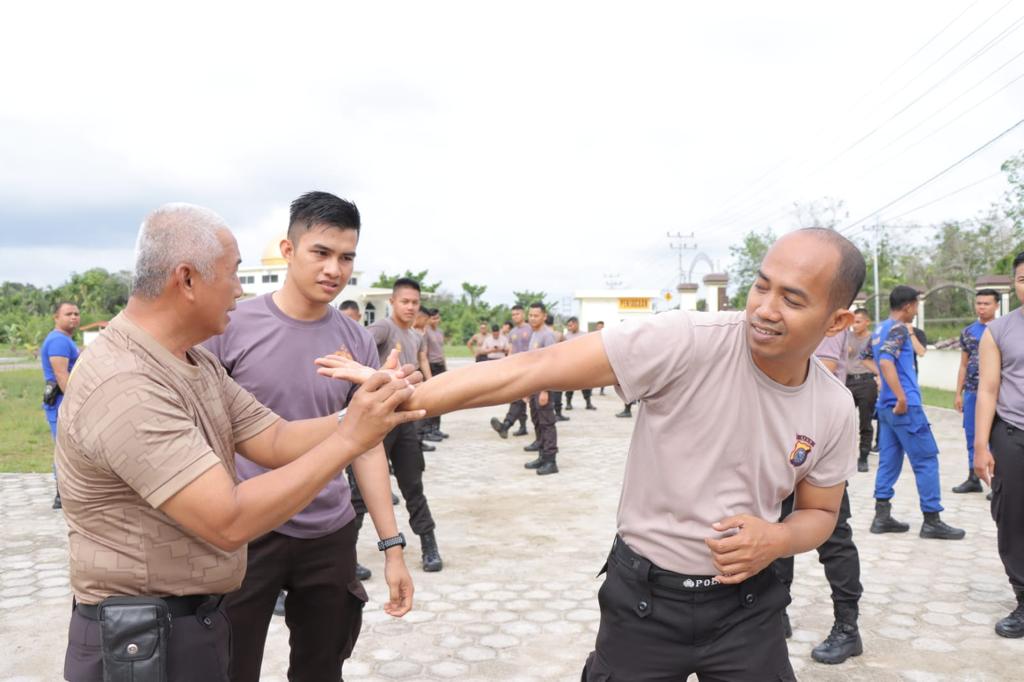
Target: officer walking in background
<point>572,330</point>
<point>519,342</point>
<point>986,302</point>
<point>862,381</point>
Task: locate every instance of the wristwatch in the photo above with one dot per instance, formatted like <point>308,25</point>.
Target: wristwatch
<point>388,543</point>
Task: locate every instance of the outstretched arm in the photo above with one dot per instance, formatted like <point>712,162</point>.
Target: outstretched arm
<point>571,366</point>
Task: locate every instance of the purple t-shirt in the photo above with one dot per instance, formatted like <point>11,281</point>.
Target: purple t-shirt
<point>834,348</point>
<point>271,355</point>
<point>519,338</point>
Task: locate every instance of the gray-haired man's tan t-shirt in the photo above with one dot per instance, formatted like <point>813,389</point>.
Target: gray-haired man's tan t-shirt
<point>138,425</point>
<point>714,436</point>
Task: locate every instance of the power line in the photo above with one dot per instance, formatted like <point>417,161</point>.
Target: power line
<point>947,195</point>
<point>935,177</point>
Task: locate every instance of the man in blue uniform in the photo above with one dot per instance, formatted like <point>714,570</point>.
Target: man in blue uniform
<point>903,426</point>
<point>986,302</point>
<point>58,355</point>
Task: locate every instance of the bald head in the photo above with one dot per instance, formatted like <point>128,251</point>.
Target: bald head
<point>850,268</point>
<point>171,235</point>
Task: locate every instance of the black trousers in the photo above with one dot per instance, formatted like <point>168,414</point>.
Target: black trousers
<point>405,455</point>
<point>839,557</point>
<point>586,396</point>
<point>1007,445</point>
<point>543,417</point>
<point>865,394</point>
<point>199,648</point>
<point>516,413</point>
<point>434,423</point>
<point>654,631</point>
<point>323,610</point>
<point>556,400</point>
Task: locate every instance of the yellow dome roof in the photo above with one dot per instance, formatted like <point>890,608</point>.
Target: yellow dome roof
<point>272,252</point>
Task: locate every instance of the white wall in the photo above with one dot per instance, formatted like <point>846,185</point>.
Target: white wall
<point>938,368</point>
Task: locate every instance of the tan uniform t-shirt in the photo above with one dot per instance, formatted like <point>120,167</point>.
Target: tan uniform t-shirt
<point>137,426</point>
<point>714,436</point>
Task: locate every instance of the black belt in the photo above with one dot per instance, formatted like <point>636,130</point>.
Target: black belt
<point>188,605</point>
<point>660,576</point>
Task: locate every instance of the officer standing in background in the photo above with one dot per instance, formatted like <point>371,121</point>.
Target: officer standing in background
<point>350,309</point>
<point>556,396</point>
<point>402,445</point>
<point>436,359</point>
<point>58,355</point>
<point>838,554</point>
<point>542,407</point>
<point>519,342</point>
<point>986,302</point>
<point>903,425</point>
<point>999,441</point>
<point>572,330</point>
<point>862,381</point>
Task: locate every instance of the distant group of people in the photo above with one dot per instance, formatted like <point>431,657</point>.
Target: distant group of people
<point>214,459</point>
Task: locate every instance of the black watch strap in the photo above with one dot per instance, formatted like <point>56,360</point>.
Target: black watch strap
<point>388,543</point>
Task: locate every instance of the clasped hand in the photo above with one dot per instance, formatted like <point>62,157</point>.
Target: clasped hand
<point>747,552</point>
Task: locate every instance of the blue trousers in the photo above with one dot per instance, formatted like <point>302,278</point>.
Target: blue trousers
<point>908,433</point>
<point>970,403</point>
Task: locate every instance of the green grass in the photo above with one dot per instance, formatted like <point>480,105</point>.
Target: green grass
<point>937,397</point>
<point>25,443</point>
<point>456,352</point>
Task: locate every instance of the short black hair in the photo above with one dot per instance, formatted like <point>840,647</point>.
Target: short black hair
<point>405,283</point>
<point>538,304</point>
<point>988,292</point>
<point>901,295</point>
<point>433,312</point>
<point>321,208</point>
<point>61,304</point>
<point>861,311</point>
<point>599,322</point>
<point>549,320</point>
<point>849,277</point>
<point>517,307</point>
<point>573,319</point>
<point>1017,261</point>
<point>348,304</point>
<point>495,328</point>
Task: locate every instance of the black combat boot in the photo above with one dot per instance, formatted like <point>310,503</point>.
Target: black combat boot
<point>590,405</point>
<point>431,556</point>
<point>1013,625</point>
<point>884,522</point>
<point>522,430</point>
<point>533,447</point>
<point>971,485</point>
<point>936,529</point>
<point>559,417</point>
<point>500,426</point>
<point>844,640</point>
<point>862,462</point>
<point>534,463</point>
<point>547,467</point>
<point>568,402</point>
<point>625,413</point>
<point>439,432</point>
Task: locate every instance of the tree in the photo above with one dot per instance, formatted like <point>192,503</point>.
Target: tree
<point>386,281</point>
<point>747,257</point>
<point>474,293</point>
<point>825,212</point>
<point>526,297</point>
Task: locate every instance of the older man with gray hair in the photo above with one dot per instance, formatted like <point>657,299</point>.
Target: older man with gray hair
<point>157,525</point>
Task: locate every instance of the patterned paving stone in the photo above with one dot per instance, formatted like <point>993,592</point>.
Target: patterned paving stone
<point>521,555</point>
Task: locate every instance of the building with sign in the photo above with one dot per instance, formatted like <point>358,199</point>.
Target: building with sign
<point>613,306</point>
<point>269,275</point>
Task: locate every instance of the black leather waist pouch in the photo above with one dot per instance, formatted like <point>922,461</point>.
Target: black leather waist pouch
<point>134,632</point>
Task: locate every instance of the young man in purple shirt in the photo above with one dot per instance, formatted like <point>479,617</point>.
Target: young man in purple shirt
<point>542,404</point>
<point>269,348</point>
<point>999,441</point>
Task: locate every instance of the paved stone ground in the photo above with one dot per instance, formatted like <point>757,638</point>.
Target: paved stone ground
<point>517,597</point>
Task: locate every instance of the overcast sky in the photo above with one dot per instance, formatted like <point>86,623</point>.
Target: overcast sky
<point>522,145</point>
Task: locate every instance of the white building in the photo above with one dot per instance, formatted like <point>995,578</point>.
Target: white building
<point>613,306</point>
<point>269,276</point>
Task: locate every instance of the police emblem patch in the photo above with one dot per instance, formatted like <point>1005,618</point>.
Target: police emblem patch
<point>798,455</point>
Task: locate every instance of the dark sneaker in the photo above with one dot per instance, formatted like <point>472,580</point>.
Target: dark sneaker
<point>279,604</point>
<point>842,643</point>
<point>547,468</point>
<point>499,426</point>
<point>362,572</point>
<point>935,528</point>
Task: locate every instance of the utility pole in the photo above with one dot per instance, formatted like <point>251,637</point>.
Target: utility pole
<point>878,299</point>
<point>679,244</point>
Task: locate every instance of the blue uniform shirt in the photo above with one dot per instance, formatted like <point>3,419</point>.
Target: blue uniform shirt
<point>57,344</point>
<point>891,341</point>
<point>970,337</point>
